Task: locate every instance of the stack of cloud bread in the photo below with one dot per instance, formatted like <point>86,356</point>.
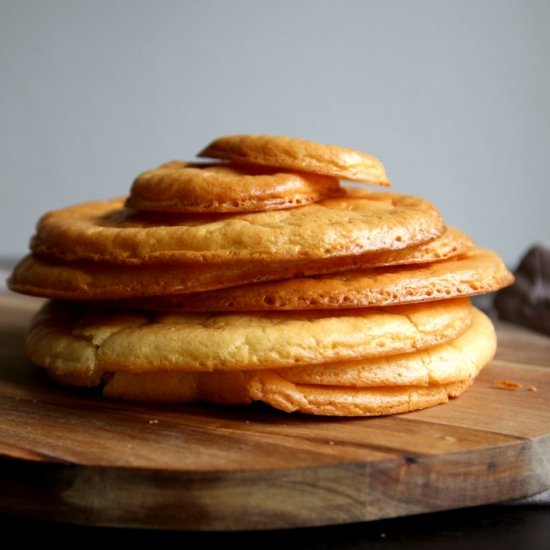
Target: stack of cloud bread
<point>257,276</point>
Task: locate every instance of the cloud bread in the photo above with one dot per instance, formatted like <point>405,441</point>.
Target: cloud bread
<point>51,278</point>
<point>459,359</point>
<point>356,223</point>
<point>205,188</point>
<point>257,277</point>
<point>238,388</point>
<point>376,386</point>
<point>141,342</point>
<point>338,401</point>
<point>476,272</point>
<point>298,154</point>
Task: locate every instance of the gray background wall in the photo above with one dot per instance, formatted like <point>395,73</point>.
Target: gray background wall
<point>453,96</point>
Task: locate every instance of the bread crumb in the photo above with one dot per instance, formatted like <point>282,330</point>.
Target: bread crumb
<point>508,384</point>
<point>532,388</point>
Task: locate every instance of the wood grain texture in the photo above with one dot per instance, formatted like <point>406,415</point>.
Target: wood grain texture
<point>70,455</point>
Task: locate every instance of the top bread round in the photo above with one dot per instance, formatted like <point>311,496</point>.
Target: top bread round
<point>190,187</point>
<point>358,222</point>
<point>298,154</point>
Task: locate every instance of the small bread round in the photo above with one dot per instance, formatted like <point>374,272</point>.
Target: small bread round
<point>51,278</point>
<point>298,154</point>
<point>107,341</point>
<point>359,222</point>
<point>476,272</point>
<point>204,188</point>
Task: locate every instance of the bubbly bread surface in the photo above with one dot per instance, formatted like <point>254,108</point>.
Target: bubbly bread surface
<point>298,154</point>
<point>52,278</point>
<point>477,272</point>
<point>356,223</point>
<point>190,187</point>
<point>87,342</point>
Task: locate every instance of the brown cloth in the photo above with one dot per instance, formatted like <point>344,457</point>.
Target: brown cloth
<point>527,301</point>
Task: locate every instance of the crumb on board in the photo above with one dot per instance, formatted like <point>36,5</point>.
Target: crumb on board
<point>513,385</point>
<point>508,384</point>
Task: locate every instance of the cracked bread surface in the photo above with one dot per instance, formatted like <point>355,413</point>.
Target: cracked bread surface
<point>107,341</point>
<point>386,383</point>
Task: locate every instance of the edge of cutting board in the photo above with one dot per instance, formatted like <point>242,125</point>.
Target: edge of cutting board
<point>70,455</point>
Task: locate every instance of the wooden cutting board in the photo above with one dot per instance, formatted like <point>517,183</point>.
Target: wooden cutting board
<point>70,455</point>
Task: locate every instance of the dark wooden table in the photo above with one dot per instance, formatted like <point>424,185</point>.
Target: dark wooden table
<point>484,527</point>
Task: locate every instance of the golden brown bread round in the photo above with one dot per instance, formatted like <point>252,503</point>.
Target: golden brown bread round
<point>459,359</point>
<point>205,188</point>
<point>242,388</point>
<point>356,223</point>
<point>297,154</point>
<point>51,278</point>
<point>336,401</point>
<point>386,385</point>
<point>142,342</point>
<point>476,272</point>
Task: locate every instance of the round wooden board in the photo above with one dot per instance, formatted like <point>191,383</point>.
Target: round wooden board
<point>70,455</point>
